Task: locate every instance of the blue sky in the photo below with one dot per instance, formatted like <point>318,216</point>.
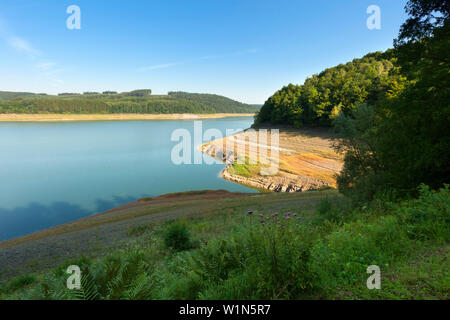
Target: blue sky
<point>243,49</point>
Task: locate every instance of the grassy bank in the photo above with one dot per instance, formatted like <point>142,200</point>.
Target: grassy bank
<point>270,249</point>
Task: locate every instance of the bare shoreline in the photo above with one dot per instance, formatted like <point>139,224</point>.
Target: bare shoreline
<point>307,161</point>
<point>14,117</point>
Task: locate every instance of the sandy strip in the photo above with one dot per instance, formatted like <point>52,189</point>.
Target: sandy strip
<point>114,117</point>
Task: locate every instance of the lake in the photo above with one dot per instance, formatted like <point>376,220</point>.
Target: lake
<point>53,173</point>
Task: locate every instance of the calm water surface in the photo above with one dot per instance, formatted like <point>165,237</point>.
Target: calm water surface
<point>53,173</point>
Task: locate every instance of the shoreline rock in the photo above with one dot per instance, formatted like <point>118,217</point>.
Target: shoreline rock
<point>283,182</point>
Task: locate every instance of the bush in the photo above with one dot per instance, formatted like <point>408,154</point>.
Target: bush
<point>137,230</point>
<point>341,258</point>
<point>177,237</point>
<point>335,210</point>
<point>20,282</point>
<point>267,260</point>
<point>189,274</point>
<point>428,217</point>
<point>127,275</point>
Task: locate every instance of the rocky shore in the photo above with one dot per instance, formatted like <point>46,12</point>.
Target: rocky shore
<point>284,183</point>
<point>311,172</point>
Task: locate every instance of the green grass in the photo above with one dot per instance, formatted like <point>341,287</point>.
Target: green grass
<point>245,169</point>
<point>137,230</point>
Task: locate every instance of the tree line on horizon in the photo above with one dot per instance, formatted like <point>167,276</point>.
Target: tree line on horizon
<point>137,101</point>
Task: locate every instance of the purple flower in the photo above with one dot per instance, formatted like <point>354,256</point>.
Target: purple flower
<point>250,211</point>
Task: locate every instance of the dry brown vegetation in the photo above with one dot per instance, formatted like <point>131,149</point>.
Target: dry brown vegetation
<point>307,160</point>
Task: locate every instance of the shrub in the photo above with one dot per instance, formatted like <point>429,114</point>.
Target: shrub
<point>177,237</point>
<point>341,258</point>
<point>428,217</point>
<point>267,260</point>
<point>335,210</point>
<point>192,272</point>
<point>137,230</point>
<point>127,275</point>
<point>20,282</point>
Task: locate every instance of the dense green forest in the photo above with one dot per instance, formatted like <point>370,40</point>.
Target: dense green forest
<point>391,109</point>
<point>137,101</point>
<point>322,97</point>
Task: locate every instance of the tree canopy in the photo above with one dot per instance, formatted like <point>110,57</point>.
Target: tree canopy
<point>391,109</point>
<point>339,89</point>
<point>403,140</point>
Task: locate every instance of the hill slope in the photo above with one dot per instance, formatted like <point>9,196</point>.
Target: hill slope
<point>174,102</point>
<point>336,89</point>
<point>8,95</point>
<point>309,245</point>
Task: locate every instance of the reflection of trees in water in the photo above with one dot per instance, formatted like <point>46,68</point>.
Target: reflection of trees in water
<point>34,216</point>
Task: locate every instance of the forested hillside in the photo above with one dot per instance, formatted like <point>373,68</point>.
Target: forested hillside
<point>136,101</point>
<point>336,89</point>
<point>7,95</point>
<point>391,109</point>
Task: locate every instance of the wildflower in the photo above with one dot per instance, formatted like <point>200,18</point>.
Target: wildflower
<point>261,215</point>
<point>250,211</point>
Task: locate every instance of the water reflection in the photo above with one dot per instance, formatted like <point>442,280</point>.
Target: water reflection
<point>35,216</point>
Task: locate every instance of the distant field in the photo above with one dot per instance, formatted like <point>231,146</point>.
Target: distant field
<point>115,117</point>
